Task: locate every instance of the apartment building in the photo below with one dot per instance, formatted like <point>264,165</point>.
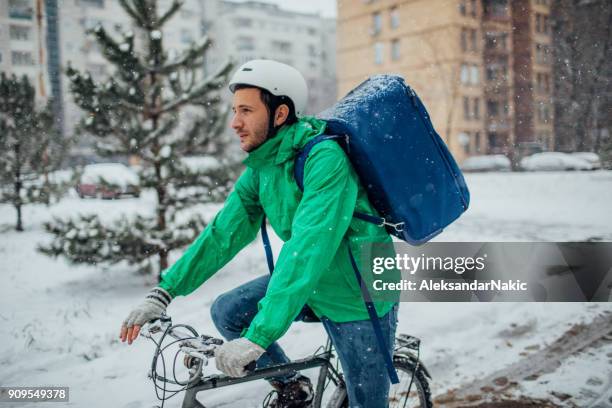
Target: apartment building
<point>482,67</point>
<point>39,38</point>
<point>22,42</point>
<point>250,30</point>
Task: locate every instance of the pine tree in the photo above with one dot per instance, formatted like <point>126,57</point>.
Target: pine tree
<point>30,147</point>
<point>136,113</point>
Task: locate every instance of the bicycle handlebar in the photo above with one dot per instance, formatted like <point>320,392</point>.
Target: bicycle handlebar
<point>197,346</point>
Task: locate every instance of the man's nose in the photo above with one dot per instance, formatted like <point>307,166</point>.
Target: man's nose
<point>236,122</point>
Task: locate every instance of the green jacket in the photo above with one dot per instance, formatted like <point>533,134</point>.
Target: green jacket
<point>317,226</point>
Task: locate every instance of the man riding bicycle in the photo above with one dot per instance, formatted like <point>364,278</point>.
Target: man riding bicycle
<point>313,273</point>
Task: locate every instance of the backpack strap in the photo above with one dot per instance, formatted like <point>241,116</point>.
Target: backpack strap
<point>300,160</point>
<point>267,245</point>
<point>298,172</point>
<point>375,321</point>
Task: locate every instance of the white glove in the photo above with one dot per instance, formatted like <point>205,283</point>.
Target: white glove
<point>151,308</point>
<point>232,357</point>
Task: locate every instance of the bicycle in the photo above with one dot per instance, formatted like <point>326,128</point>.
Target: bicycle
<point>411,392</point>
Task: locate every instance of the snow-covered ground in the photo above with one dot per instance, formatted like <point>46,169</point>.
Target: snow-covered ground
<point>59,323</point>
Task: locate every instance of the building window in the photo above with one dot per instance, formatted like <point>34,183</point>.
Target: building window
<point>469,36</point>
<point>466,108</point>
<point>22,58</point>
<point>476,111</point>
<point>465,74</point>
<point>473,8</point>
<point>494,141</point>
<point>497,71</point>
<point>543,112</point>
<point>543,54</point>
<point>474,39</point>
<point>462,7</point>
<point>474,77</point>
<point>379,50</point>
<point>395,50</point>
<point>186,36</point>
<point>21,9</point>
<point>395,18</point>
<point>376,23</point>
<point>492,109</point>
<point>19,32</point>
<point>496,8</point>
<point>93,3</point>
<point>541,23</point>
<point>496,41</point>
<point>464,140</point>
<point>538,22</point>
<point>477,142</point>
<point>244,43</point>
<point>243,22</point>
<point>281,46</point>
<point>464,40</point>
<point>312,50</point>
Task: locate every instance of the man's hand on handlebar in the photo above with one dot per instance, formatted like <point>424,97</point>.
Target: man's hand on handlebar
<point>233,358</point>
<point>153,307</point>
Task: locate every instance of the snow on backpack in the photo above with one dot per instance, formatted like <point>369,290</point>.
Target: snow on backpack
<point>409,174</point>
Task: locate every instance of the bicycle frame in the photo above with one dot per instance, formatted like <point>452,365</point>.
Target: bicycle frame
<point>201,347</point>
<point>323,360</point>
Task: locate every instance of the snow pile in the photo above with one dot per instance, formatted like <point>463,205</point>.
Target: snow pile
<point>554,161</point>
<point>197,164</point>
<point>495,162</point>
<point>113,173</point>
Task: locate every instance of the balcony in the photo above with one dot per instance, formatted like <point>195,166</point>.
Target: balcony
<point>21,14</point>
<point>20,9</point>
<point>498,10</point>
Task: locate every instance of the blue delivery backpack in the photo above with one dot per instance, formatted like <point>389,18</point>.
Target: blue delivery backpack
<point>409,174</point>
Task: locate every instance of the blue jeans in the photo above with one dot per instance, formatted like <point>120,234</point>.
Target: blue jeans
<point>364,369</point>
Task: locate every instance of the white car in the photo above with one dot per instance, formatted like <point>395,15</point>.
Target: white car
<point>590,157</point>
<point>108,180</point>
<point>494,162</point>
<point>554,161</point>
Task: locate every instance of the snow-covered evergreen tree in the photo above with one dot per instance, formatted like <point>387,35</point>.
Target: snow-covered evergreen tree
<point>137,112</point>
<point>30,147</point>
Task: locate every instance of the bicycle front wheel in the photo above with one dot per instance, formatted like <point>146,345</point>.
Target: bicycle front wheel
<point>419,395</point>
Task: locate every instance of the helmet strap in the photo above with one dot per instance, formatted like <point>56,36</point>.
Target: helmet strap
<point>272,130</point>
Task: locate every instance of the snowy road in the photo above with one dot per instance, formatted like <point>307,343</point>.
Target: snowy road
<point>59,323</point>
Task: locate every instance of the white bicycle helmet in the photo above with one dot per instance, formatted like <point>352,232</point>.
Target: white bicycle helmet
<point>277,78</point>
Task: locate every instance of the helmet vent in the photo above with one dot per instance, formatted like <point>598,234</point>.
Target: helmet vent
<point>247,69</point>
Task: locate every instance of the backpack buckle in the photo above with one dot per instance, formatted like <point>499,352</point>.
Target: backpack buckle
<point>399,227</point>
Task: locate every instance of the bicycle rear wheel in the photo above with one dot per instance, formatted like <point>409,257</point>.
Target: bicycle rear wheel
<point>419,395</point>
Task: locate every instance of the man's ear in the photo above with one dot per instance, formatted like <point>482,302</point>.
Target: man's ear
<point>281,114</point>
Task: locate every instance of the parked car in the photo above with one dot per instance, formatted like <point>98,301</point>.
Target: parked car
<point>494,162</point>
<point>554,161</point>
<point>592,158</point>
<point>108,180</point>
